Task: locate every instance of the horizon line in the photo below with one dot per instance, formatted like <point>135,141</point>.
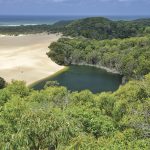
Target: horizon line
<point>74,14</point>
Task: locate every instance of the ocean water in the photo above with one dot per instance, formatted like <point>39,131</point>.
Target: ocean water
<point>16,20</point>
<point>7,20</point>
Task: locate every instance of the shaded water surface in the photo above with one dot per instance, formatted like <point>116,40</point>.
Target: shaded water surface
<point>78,78</point>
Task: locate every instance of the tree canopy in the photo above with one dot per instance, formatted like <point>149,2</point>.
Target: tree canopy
<point>57,119</point>
<point>130,57</point>
<point>2,83</point>
<point>93,28</point>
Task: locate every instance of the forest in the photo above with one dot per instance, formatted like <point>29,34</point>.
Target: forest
<point>102,28</point>
<point>33,29</point>
<point>94,28</point>
<point>57,119</point>
<point>130,56</point>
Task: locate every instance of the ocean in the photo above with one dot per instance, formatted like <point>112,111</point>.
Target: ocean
<point>17,20</point>
<point>8,20</point>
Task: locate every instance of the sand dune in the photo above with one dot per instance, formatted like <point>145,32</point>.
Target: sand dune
<point>24,57</point>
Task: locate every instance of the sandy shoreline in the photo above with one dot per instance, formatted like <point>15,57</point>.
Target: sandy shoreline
<point>24,57</point>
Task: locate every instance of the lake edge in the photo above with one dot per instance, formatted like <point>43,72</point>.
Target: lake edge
<point>69,69</point>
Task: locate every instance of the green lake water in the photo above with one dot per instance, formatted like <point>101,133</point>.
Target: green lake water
<point>78,78</point>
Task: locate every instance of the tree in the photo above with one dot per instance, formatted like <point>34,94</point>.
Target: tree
<point>2,83</point>
<point>55,118</point>
<point>129,57</point>
<point>51,83</point>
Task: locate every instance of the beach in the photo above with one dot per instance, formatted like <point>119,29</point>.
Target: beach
<point>24,57</point>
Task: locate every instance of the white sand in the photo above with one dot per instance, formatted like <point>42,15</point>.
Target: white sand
<point>24,57</point>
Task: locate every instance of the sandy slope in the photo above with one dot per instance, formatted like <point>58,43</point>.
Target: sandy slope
<point>24,57</point>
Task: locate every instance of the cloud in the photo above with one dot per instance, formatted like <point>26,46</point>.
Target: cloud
<point>76,2</point>
<point>74,7</point>
<point>70,0</point>
<point>33,0</point>
<point>59,1</point>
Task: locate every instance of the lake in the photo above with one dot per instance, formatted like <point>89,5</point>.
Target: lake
<point>78,78</point>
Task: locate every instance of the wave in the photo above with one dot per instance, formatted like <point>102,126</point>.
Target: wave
<point>16,25</point>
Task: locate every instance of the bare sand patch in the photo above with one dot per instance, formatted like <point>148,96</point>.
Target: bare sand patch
<point>24,57</point>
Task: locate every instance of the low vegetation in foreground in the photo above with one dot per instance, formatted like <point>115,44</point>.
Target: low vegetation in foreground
<point>57,119</point>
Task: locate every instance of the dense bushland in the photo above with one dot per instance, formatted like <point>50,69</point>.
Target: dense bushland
<point>94,28</point>
<point>33,29</point>
<point>57,119</point>
<point>2,83</point>
<point>130,57</point>
<point>102,28</point>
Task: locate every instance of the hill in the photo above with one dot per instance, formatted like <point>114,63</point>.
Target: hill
<point>94,28</point>
<point>103,28</point>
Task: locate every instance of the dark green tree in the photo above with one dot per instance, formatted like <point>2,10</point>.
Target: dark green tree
<point>2,83</point>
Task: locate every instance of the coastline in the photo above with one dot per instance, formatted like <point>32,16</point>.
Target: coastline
<point>12,35</point>
<point>24,57</point>
<point>28,34</point>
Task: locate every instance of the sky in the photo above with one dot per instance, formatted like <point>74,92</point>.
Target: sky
<point>75,7</point>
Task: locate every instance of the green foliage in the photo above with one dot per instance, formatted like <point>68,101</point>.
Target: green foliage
<point>123,141</point>
<point>106,103</point>
<point>18,88</point>
<point>130,57</point>
<point>2,83</point>
<point>51,83</point>
<point>4,96</point>
<point>32,29</point>
<point>147,30</point>
<point>94,28</point>
<point>57,119</point>
<point>102,28</point>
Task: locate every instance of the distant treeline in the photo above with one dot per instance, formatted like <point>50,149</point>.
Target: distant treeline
<point>101,28</point>
<point>130,56</point>
<point>94,28</point>
<point>33,29</point>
